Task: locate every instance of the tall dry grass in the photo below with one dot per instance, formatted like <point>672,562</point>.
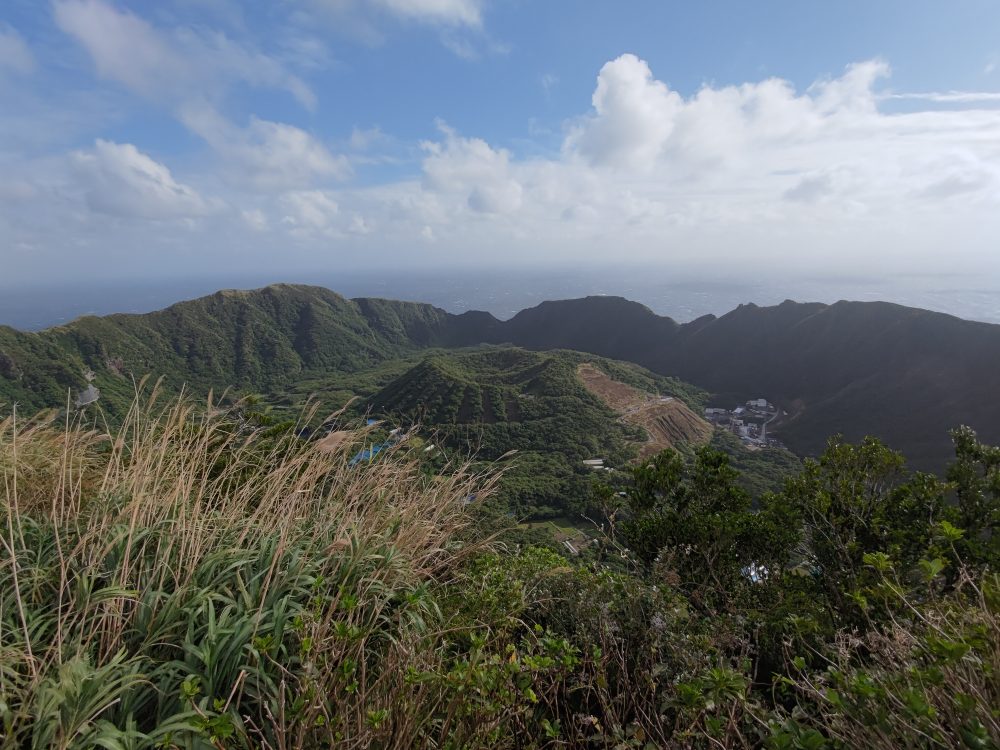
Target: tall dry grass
<point>186,582</point>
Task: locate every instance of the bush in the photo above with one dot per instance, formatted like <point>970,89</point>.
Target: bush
<point>193,582</point>
<point>209,578</point>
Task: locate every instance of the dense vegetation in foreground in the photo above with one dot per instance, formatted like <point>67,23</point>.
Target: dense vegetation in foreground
<point>194,581</point>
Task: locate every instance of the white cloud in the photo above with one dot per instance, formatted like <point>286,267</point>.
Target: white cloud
<point>471,169</point>
<point>954,174</point>
<point>363,139</point>
<point>740,179</point>
<point>119,180</point>
<point>461,47</point>
<point>952,97</point>
<point>634,114</point>
<point>169,65</point>
<point>639,123</point>
<point>852,93</point>
<point>123,46</point>
<point>310,210</point>
<point>758,170</point>
<point>447,12</point>
<point>739,176</point>
<point>360,225</point>
<point>306,51</point>
<point>473,45</point>
<point>255,219</point>
<point>266,154</point>
<point>811,188</point>
<point>14,52</point>
<point>459,22</point>
<point>825,185</point>
<point>959,184</point>
<point>187,70</point>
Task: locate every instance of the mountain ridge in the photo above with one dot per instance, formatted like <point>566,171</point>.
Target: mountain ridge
<point>903,374</point>
<point>922,372</point>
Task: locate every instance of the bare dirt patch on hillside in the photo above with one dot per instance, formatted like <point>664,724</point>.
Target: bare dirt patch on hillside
<point>667,421</point>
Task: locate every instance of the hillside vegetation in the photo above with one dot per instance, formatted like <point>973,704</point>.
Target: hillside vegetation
<point>902,374</point>
<point>853,368</point>
<point>517,399</point>
<point>197,581</point>
<point>492,402</point>
<point>258,340</point>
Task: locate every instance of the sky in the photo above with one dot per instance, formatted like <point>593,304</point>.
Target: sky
<point>153,140</point>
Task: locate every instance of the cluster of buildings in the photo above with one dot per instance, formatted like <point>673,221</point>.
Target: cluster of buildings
<point>747,422</point>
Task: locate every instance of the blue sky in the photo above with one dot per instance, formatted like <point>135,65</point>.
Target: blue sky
<point>148,140</point>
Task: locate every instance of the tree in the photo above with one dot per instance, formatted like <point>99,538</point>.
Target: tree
<point>975,476</point>
<point>695,524</point>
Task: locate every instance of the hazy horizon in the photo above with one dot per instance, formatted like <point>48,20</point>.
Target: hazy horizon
<point>503,293</point>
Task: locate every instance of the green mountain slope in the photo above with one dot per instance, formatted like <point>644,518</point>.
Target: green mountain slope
<point>506,399</point>
<point>484,402</point>
<point>904,375</point>
<point>257,340</point>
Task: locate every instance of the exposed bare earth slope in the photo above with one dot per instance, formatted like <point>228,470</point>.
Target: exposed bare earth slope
<point>666,420</point>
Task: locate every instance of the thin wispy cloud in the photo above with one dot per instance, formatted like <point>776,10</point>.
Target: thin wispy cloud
<point>15,54</point>
<point>950,97</point>
<point>460,23</point>
<point>170,65</point>
<point>446,12</point>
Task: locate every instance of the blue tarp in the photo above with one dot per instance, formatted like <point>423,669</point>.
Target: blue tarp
<point>366,455</point>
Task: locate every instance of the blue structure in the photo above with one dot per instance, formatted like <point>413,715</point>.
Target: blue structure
<point>366,454</point>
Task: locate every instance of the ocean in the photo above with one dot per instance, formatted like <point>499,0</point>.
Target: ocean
<point>503,293</point>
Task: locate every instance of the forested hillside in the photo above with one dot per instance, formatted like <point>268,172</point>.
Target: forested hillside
<point>252,574</point>
<point>259,340</point>
<point>902,374</point>
<point>855,368</point>
<point>491,401</point>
